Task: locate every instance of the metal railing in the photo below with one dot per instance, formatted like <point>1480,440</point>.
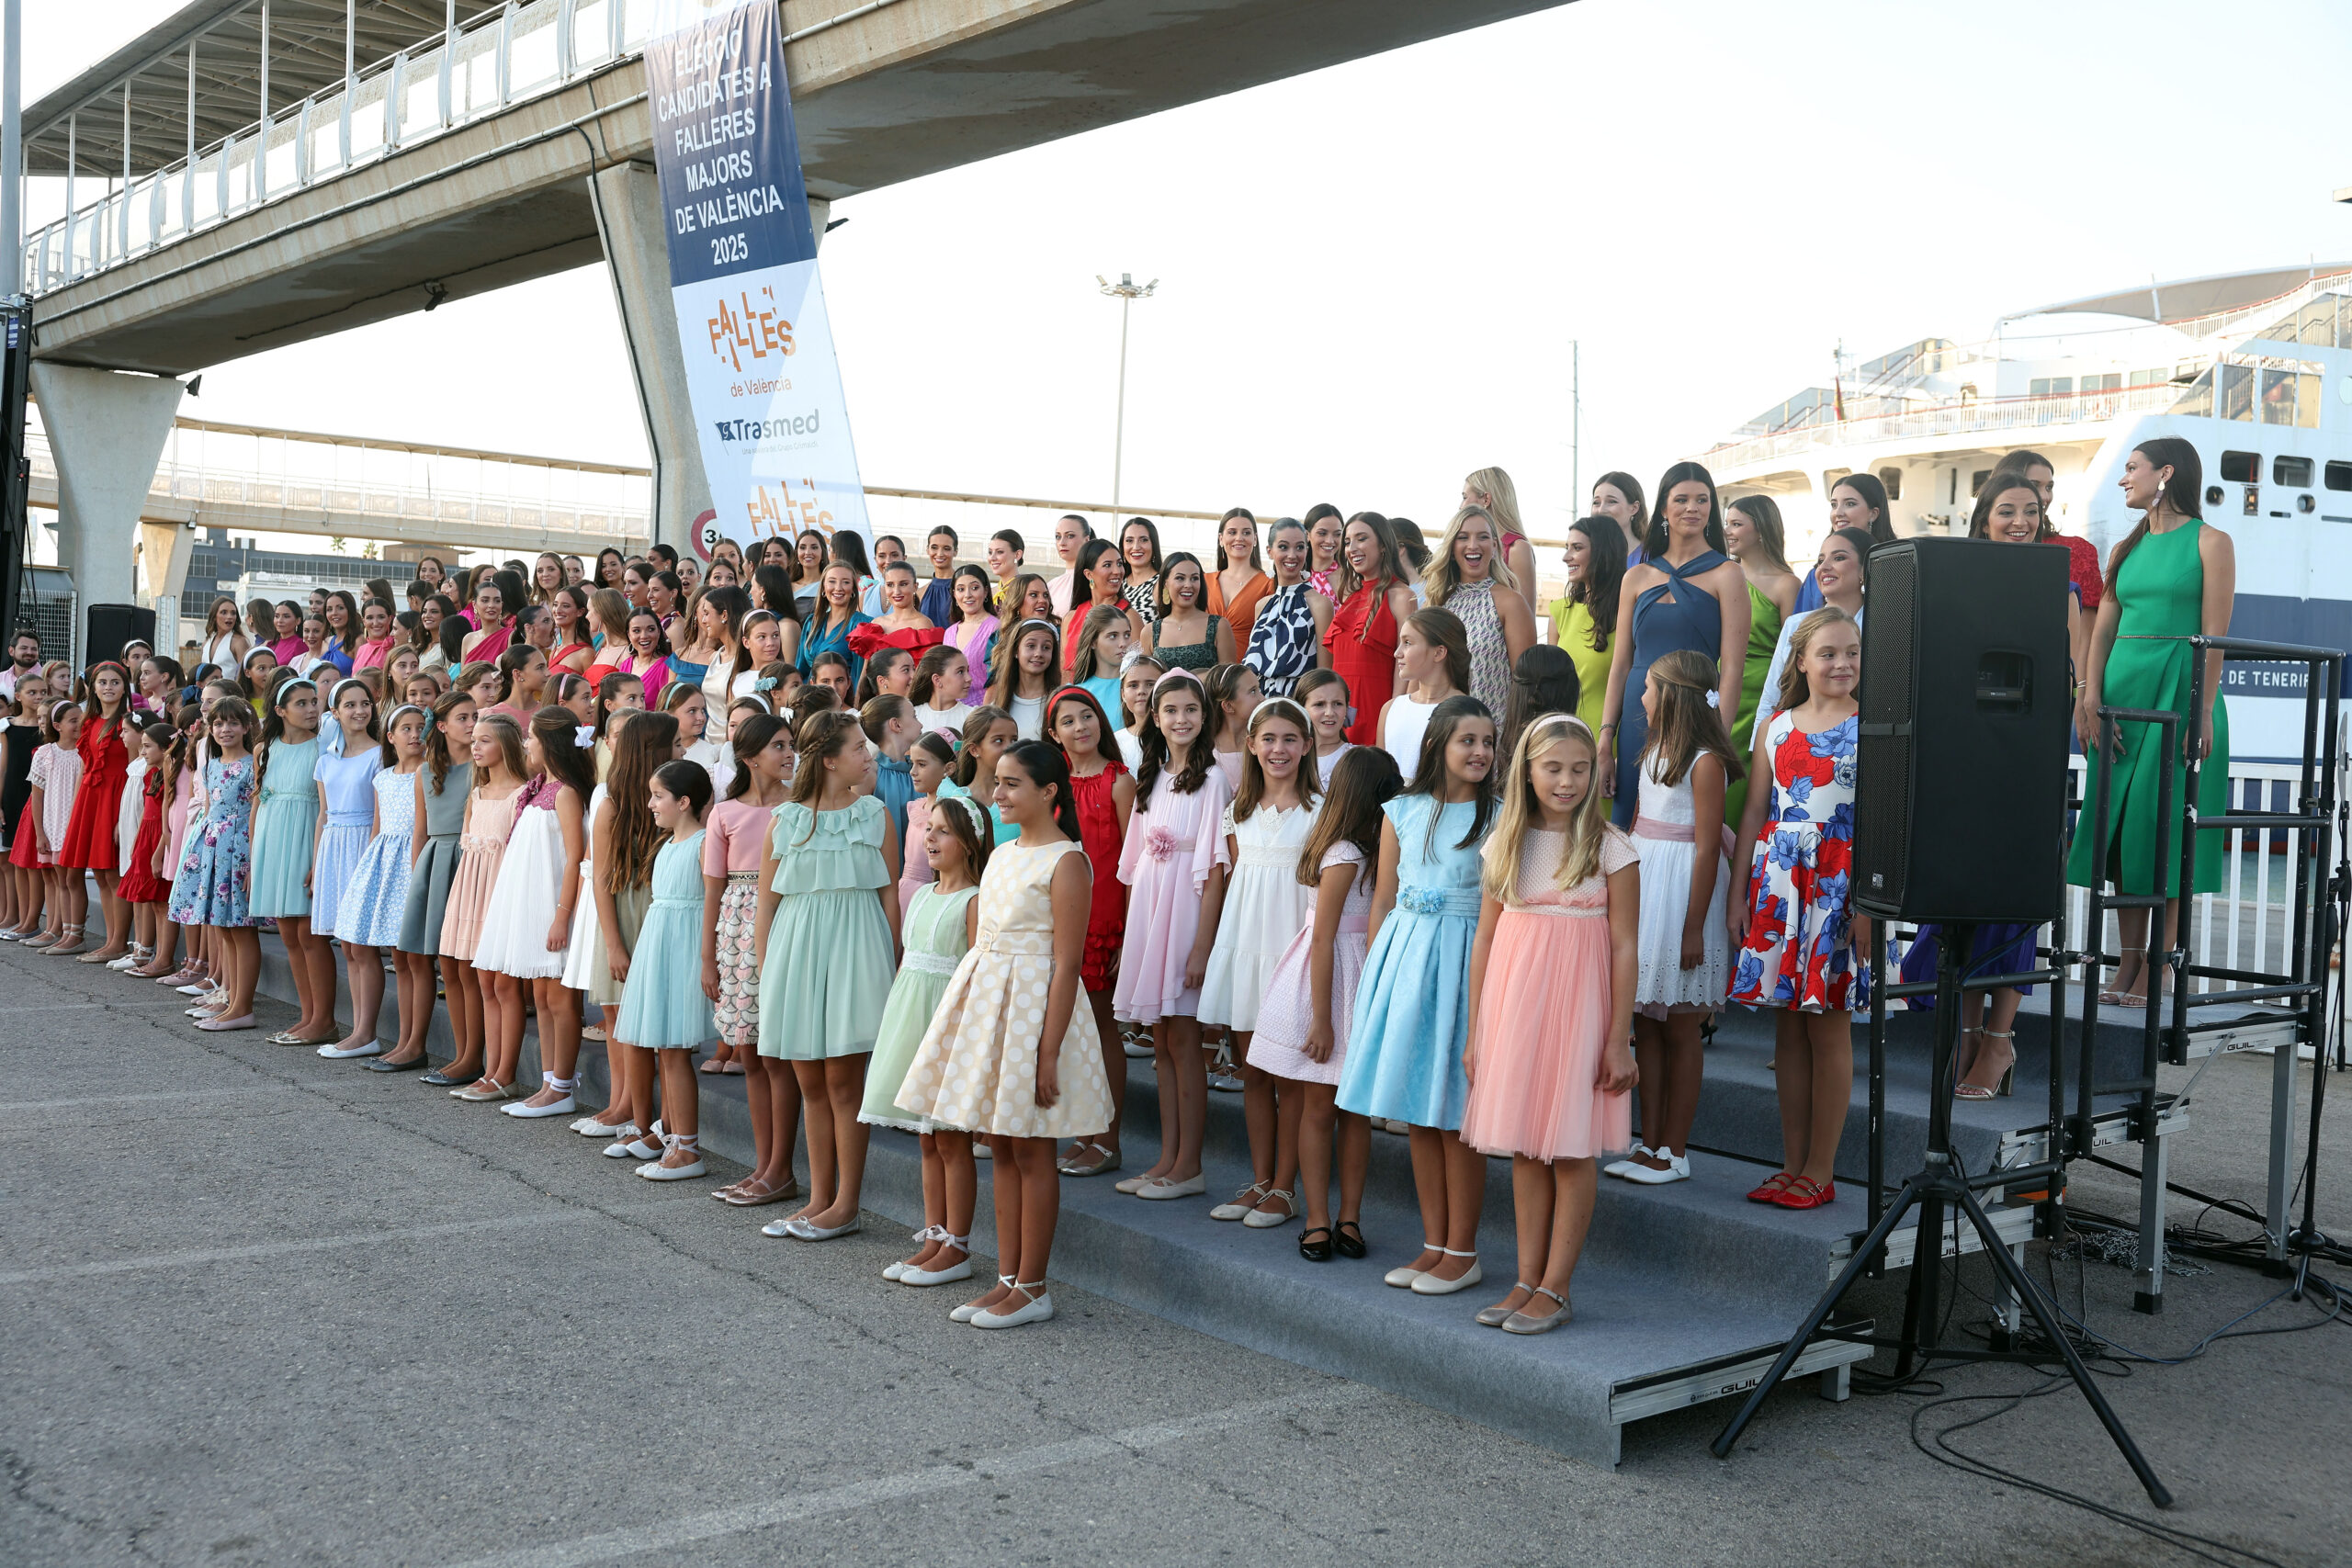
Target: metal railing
<point>502,58</point>
<point>1943,419</point>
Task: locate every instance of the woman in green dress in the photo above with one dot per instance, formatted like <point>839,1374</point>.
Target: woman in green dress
<point>1752,529</point>
<point>2173,577</point>
<point>1584,618</point>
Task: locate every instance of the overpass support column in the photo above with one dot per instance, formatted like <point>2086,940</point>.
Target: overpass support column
<point>107,431</point>
<point>637,258</point>
<point>632,225</point>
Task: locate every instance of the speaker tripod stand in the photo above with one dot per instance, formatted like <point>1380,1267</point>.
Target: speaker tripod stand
<point>1939,1190</point>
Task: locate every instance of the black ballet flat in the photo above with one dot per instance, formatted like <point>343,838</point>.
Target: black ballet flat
<point>1347,1236</point>
<point>1315,1251</point>
<point>384,1064</point>
<point>440,1079</point>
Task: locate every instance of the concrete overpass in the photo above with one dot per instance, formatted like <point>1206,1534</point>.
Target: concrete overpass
<point>512,141</point>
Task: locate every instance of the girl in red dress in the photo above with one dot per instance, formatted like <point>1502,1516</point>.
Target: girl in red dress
<point>89,842</point>
<point>1106,794</point>
<point>144,886</point>
<point>1374,602</point>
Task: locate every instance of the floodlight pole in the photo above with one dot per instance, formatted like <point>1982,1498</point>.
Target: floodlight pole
<point>1128,292</point>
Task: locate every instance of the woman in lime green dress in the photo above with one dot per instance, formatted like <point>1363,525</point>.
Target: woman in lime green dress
<point>1596,560</point>
<point>2173,576</point>
<point>1752,530</point>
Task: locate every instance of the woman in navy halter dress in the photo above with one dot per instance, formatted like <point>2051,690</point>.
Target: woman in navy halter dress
<point>1683,611</point>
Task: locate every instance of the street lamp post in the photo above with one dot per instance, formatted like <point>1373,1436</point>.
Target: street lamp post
<point>1128,292</point>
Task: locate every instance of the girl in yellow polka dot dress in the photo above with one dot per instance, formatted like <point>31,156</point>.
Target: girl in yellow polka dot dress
<point>1010,1052</point>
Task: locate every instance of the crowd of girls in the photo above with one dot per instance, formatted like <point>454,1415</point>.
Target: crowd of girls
<point>943,863</point>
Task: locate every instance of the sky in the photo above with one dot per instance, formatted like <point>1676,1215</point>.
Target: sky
<point>1369,277</point>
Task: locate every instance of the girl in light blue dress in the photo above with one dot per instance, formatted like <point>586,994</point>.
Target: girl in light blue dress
<point>664,1007</point>
<point>216,867</point>
<point>1412,1006</point>
<point>286,831</point>
<point>349,759</point>
<point>368,916</point>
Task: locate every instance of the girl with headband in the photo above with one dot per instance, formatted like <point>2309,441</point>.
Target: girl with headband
<point>285,840</point>
<point>368,915</point>
<point>1264,829</point>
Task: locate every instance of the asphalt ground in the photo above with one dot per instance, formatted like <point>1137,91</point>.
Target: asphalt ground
<point>264,1309</point>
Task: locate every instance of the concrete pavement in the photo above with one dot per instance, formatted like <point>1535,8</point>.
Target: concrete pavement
<point>268,1309</point>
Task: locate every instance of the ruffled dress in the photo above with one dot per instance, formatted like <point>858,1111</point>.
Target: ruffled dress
<point>1664,833</point>
<point>829,969</point>
<point>1798,951</point>
<point>285,822</point>
<point>372,909</point>
<point>140,884</point>
<point>1543,1016</point>
<point>1098,834</point>
<point>1413,1006</point>
<point>1264,904</point>
<point>348,785</point>
<point>976,1068</point>
<point>426,901</point>
<point>1363,641</point>
<point>935,948</point>
<point>664,1009</point>
<point>50,763</point>
<point>521,911</point>
<point>211,889</point>
<point>1482,622</point>
<point>89,840</point>
<point>1172,844</point>
<point>1287,1015</point>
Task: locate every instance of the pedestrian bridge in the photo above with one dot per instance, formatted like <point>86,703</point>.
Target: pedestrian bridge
<point>251,173</point>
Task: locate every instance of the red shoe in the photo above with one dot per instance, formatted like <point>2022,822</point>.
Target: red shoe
<point>1770,1190</point>
<point>1801,1193</point>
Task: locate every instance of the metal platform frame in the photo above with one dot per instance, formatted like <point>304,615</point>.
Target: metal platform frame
<point>2301,987</point>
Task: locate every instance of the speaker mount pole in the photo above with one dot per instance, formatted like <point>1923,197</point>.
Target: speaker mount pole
<point>1939,1185</point>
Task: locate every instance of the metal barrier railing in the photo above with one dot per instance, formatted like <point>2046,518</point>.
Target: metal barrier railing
<point>502,58</point>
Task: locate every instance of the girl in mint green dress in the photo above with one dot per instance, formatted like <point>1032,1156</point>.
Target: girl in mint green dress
<point>286,812</point>
<point>828,927</point>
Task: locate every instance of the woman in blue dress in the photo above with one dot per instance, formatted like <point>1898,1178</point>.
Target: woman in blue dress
<point>832,618</point>
<point>1413,1009</point>
<point>1685,594</point>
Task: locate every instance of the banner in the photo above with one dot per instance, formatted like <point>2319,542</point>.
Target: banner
<point>760,367</point>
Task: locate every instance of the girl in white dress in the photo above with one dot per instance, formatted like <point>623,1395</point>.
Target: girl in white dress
<point>1685,942</point>
<point>1011,1052</point>
<point>1264,905</point>
<point>1434,653</point>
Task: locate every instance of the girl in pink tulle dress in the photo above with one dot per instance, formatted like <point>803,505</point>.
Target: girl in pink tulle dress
<point>1553,973</point>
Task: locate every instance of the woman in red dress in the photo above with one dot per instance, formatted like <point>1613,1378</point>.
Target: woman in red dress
<point>89,843</point>
<point>1105,794</point>
<point>1374,602</point>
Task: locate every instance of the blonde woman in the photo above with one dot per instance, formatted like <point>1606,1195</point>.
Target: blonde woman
<point>1492,491</point>
<point>1470,576</point>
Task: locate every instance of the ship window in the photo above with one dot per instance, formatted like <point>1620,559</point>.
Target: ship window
<point>2112,382</point>
<point>1892,480</point>
<point>2050,385</point>
<point>1976,481</point>
<point>2338,476</point>
<point>2295,472</point>
<point>2278,397</point>
<point>2238,391</point>
<point>2242,467</point>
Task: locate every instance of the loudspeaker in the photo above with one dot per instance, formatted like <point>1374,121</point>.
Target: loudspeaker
<point>109,626</point>
<point>1960,780</point>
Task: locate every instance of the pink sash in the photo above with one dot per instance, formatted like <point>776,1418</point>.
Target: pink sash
<point>1680,833</point>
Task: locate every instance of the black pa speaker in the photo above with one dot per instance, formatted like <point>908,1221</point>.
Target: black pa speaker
<point>109,626</point>
<point>1961,780</point>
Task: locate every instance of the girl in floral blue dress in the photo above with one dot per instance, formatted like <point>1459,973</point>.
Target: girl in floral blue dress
<point>1798,937</point>
<point>212,888</point>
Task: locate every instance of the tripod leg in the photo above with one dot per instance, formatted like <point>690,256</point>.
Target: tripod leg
<point>1821,1310</point>
<point>1923,1296</point>
<point>2030,1293</point>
